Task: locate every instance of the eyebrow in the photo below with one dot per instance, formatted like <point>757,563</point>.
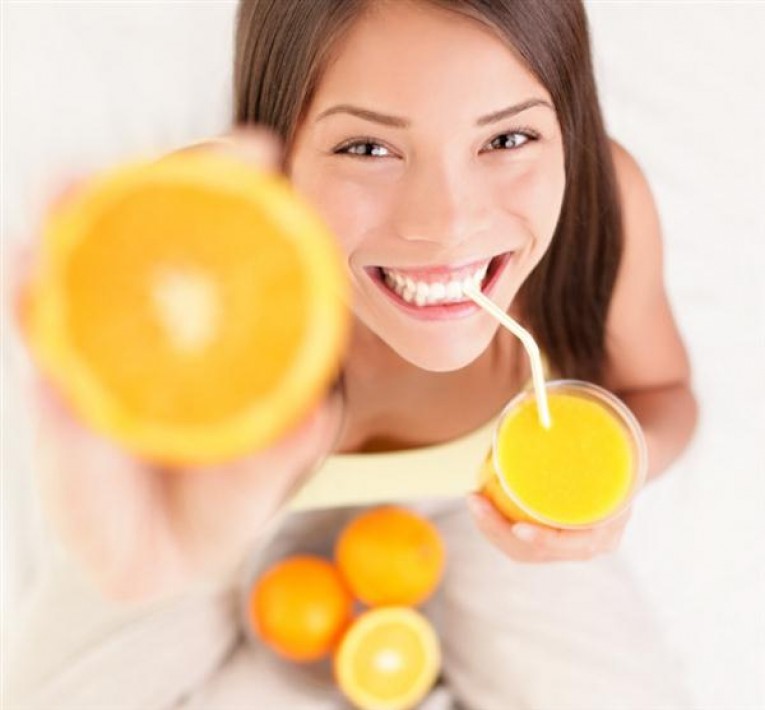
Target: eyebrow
<point>512,110</point>
<point>398,122</point>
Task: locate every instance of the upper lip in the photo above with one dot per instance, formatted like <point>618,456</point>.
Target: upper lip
<point>443,267</point>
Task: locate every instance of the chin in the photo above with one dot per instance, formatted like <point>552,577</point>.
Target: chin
<point>435,355</point>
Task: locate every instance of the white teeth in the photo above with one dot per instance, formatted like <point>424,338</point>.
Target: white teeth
<point>421,293</point>
<point>454,290</point>
<point>437,292</point>
<point>421,296</point>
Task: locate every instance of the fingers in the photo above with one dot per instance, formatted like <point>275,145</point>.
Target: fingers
<point>526,542</point>
<point>66,191</point>
<point>298,449</point>
<point>24,255</point>
<point>62,429</point>
<point>564,544</point>
<point>255,145</point>
<point>50,404</point>
<point>496,528</point>
<point>218,510</point>
<point>19,268</point>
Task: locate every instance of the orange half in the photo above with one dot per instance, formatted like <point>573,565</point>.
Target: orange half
<point>193,308</point>
<point>388,659</point>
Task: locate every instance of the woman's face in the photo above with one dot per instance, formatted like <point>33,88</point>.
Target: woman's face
<point>435,157</point>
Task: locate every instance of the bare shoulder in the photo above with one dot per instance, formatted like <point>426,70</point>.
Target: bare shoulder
<point>641,268</point>
<point>642,231</point>
<point>644,347</point>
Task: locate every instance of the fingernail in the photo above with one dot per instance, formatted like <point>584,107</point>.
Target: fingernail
<point>524,532</point>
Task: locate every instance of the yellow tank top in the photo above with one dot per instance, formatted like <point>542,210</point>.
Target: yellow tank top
<point>447,470</point>
<point>443,470</point>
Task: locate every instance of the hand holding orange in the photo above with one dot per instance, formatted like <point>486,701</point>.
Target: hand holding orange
<point>152,324</point>
<point>191,308</point>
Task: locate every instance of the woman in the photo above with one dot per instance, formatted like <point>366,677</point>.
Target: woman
<point>437,138</point>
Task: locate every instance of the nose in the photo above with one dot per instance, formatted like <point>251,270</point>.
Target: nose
<point>442,204</point>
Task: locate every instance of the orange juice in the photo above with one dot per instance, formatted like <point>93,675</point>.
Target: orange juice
<point>582,471</point>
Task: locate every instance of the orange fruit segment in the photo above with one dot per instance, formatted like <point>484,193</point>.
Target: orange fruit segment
<point>391,556</point>
<point>388,659</point>
<point>300,608</point>
<point>193,308</point>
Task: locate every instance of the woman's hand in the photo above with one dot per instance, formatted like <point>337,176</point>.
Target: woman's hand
<point>526,542</point>
<point>143,531</point>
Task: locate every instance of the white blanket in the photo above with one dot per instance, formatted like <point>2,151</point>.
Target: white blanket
<point>682,84</point>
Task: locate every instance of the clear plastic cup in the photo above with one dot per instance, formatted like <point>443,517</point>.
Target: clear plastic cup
<point>512,504</point>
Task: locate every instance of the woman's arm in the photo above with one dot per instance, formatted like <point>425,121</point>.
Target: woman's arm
<point>141,531</point>
<point>647,364</point>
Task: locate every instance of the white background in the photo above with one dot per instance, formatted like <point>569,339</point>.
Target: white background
<point>682,84</point>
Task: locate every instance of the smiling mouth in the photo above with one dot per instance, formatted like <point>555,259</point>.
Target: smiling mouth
<point>440,288</point>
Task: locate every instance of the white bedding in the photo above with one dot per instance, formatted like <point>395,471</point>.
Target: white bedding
<point>683,87</point>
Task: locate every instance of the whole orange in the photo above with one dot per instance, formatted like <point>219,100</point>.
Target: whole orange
<point>300,608</point>
<point>391,556</point>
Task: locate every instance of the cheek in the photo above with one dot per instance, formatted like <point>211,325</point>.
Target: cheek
<point>351,211</point>
<point>535,196</point>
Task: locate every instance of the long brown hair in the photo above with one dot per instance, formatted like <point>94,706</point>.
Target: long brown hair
<point>281,47</point>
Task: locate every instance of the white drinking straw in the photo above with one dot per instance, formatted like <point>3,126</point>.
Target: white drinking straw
<point>537,371</point>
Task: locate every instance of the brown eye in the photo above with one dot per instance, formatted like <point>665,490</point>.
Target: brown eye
<point>364,149</point>
<point>508,141</point>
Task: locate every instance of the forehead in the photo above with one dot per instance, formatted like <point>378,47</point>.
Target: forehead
<point>409,54</point>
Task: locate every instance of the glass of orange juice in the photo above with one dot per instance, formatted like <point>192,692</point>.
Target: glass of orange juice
<point>582,472</point>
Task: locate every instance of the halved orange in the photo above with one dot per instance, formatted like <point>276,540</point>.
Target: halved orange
<point>193,308</point>
<point>388,659</point>
<point>300,608</point>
